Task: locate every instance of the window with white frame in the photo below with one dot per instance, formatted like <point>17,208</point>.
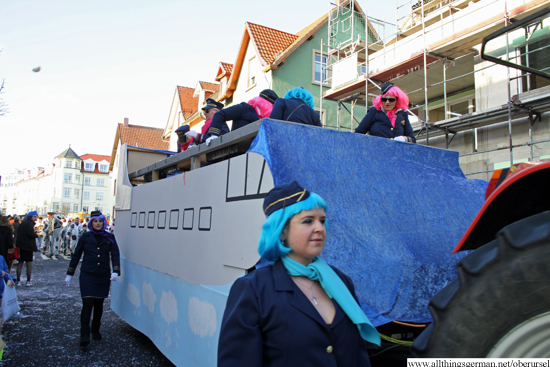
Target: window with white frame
<point>319,67</point>
<point>103,168</point>
<point>99,196</point>
<point>87,181</point>
<point>322,115</point>
<point>68,164</point>
<point>77,178</point>
<point>75,208</point>
<point>77,193</point>
<point>100,182</point>
<point>89,166</point>
<point>55,207</point>
<point>86,195</point>
<point>66,207</point>
<point>455,108</point>
<point>85,209</point>
<point>68,178</point>
<point>251,72</point>
<point>66,193</point>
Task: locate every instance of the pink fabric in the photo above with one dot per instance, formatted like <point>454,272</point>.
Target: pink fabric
<point>206,126</point>
<point>261,106</point>
<point>402,103</point>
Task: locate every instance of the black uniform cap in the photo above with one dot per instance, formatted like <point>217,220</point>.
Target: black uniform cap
<point>269,95</point>
<point>212,103</point>
<point>182,129</point>
<point>284,195</point>
<point>386,87</point>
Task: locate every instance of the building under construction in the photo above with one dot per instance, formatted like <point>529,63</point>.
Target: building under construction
<point>491,114</point>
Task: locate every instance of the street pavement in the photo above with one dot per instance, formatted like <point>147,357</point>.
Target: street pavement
<point>47,330</point>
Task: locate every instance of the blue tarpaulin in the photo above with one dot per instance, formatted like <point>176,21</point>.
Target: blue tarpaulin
<point>395,210</point>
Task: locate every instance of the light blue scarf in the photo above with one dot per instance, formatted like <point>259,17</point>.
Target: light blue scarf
<point>336,289</point>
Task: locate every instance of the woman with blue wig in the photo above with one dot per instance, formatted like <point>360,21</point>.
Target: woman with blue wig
<point>299,311</point>
<point>100,251</point>
<point>297,106</point>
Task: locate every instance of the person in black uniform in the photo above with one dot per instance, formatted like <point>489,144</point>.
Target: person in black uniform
<point>297,106</point>
<point>242,114</point>
<point>388,118</point>
<point>99,248</point>
<point>300,311</point>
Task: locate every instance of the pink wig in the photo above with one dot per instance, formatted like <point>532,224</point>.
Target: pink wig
<point>402,102</point>
<point>261,106</point>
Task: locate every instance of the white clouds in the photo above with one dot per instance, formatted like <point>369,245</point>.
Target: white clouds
<point>169,307</point>
<point>133,295</point>
<point>202,317</point>
<point>149,297</point>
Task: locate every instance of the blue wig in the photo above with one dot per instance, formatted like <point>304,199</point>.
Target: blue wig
<point>302,94</point>
<point>270,247</point>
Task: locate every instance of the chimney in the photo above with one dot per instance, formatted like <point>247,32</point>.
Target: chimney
<point>126,122</point>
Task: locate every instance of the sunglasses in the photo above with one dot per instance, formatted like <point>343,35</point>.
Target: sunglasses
<point>391,100</point>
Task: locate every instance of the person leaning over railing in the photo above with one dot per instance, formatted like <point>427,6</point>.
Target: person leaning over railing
<point>388,118</point>
<point>297,106</point>
<point>242,114</point>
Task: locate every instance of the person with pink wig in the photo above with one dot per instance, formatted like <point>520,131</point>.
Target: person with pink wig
<point>388,118</point>
<point>241,114</point>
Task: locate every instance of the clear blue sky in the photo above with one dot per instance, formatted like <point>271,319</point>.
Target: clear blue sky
<point>104,60</point>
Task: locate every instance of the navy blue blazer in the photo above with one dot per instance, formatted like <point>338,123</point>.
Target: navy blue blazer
<point>284,107</point>
<point>269,322</point>
<point>242,114</point>
<point>377,123</point>
<point>95,272</point>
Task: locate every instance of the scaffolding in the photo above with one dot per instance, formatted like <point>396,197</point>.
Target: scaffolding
<point>432,53</point>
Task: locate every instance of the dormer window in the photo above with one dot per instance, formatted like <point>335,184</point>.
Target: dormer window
<point>88,166</point>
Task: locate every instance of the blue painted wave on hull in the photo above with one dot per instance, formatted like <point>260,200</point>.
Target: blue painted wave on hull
<point>182,319</point>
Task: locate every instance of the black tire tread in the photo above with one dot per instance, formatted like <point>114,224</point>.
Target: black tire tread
<point>499,285</point>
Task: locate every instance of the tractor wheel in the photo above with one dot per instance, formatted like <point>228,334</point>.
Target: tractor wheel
<point>499,306</point>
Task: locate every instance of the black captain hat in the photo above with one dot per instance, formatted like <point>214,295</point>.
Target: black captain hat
<point>284,195</point>
<point>269,95</point>
<point>386,87</point>
<point>182,129</point>
<point>212,103</point>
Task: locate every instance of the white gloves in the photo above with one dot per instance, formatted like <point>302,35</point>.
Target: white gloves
<point>400,138</point>
<point>68,280</point>
<point>209,140</point>
<point>114,277</point>
<point>192,133</point>
<point>10,283</point>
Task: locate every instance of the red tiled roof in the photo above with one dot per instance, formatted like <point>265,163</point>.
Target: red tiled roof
<point>142,136</point>
<point>189,104</point>
<point>96,157</point>
<point>226,67</point>
<point>269,42</point>
<point>212,87</point>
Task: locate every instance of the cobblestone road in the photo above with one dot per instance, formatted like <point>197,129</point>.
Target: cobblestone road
<point>47,331</point>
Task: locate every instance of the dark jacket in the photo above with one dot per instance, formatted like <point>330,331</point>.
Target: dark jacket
<point>16,225</point>
<point>242,114</point>
<point>294,110</point>
<point>269,322</point>
<point>95,272</point>
<point>377,123</point>
<point>6,238</point>
<point>26,237</point>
